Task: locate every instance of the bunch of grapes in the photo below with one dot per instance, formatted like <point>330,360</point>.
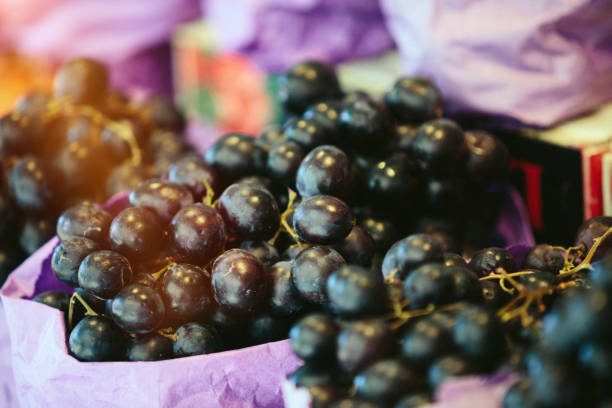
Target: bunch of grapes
<point>84,142</point>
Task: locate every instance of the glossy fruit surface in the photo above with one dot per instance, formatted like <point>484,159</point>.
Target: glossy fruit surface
<point>152,347</point>
<point>136,233</point>
<point>429,284</point>
<point>187,293</point>
<point>544,258</point>
<point>307,133</point>
<point>322,220</point>
<point>325,170</point>
<point>54,298</point>
<point>284,300</point>
<point>411,252</point>
<point>35,185</point>
<point>96,338</point>
<point>283,161</point>
<point>439,146</point>
<point>591,229</point>
<point>487,159</point>
<point>363,342</point>
<point>357,248</point>
<point>488,260</point>
<point>81,81</point>
<point>163,197</point>
<point>313,338</point>
<point>138,309</point>
<point>236,155</point>
<point>395,178</point>
<point>67,257</point>
<point>195,339</point>
<point>365,123</point>
<point>311,269</point>
<point>84,220</point>
<point>266,253</point>
<point>192,172</point>
<point>414,100</point>
<point>356,291</point>
<point>104,273</point>
<point>198,233</point>
<point>386,381</point>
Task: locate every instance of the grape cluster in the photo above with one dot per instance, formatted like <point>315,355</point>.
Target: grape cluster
<point>83,142</point>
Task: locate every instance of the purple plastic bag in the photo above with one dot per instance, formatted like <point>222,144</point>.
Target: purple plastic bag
<point>537,61</point>
<point>280,33</point>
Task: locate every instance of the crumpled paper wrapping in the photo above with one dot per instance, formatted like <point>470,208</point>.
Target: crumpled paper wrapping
<point>280,33</point>
<point>536,61</point>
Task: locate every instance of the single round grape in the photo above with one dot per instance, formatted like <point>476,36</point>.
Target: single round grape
<point>35,232</point>
<point>35,185</point>
<point>283,162</point>
<point>488,260</point>
<point>198,233</point>
<point>152,347</point>
<point>96,338</point>
<point>54,298</point>
<point>386,381</point>
<point>34,103</point>
<point>429,284</point>
<point>187,294</point>
<point>590,230</point>
<point>104,273</point>
<point>364,342</point>
<point>307,133</point>
<point>596,359</point>
<point>250,212</point>
<point>448,367</point>
<point>266,328</point>
<point>493,295</point>
<point>487,159</point>
<point>414,100</point>
<point>325,395</point>
<point>164,114</point>
<point>440,147</point>
<point>311,269</point>
<point>554,383</point>
<point>479,334</point>
<point>446,195</point>
<point>195,339</point>
<point>452,259</point>
<point>306,83</point>
<point>164,147</point>
<point>136,233</point>
<point>280,192</point>
<point>239,282</point>
<point>402,139</point>
<point>313,338</point>
<point>81,81</point>
<point>272,135</point>
<point>283,300</point>
<point>322,220</point>
<point>425,341</point>
<point>138,309</point>
<point>383,232</point>
<point>356,291</point>
<point>192,172</point>
<point>310,375</point>
<point>466,284</point>
<point>357,248</point>
<point>84,220</point>
<point>327,113</point>
<point>125,177</point>
<point>545,258</point>
<point>236,155</point>
<point>394,179</point>
<point>67,257</point>
<point>325,170</point>
<point>267,254</point>
<point>411,252</point>
<point>163,197</point>
<point>366,124</point>
<point>16,136</point>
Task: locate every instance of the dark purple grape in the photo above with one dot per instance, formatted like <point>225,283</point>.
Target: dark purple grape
<point>16,136</point>
<point>479,334</point>
<point>411,252</point>
<point>466,284</point>
<point>355,403</point>
<point>386,381</point>
<point>163,197</point>
<point>326,113</point>
<point>152,347</point>
<point>137,309</point>
<point>145,279</point>
<point>326,395</point>
<point>325,170</point>
<point>488,260</point>
<point>164,114</point>
<point>554,382</point>
<point>266,253</point>
<point>487,159</point>
<point>54,298</point>
<point>125,177</point>
<point>393,180</point>
<point>280,192</point>
<point>34,103</point>
<point>440,147</point>
<point>429,284</point>
<point>311,269</point>
<point>322,220</point>
<point>104,273</point>
<point>187,293</point>
<point>84,220</point>
<point>283,162</point>
<point>306,83</point>
<point>198,233</point>
<point>357,248</point>
<point>81,81</point>
<point>239,282</point>
<point>493,295</point>
<point>265,328</point>
<point>590,230</point>
<point>425,341</point>
<point>446,195</point>
<point>596,359</point>
<point>35,233</point>
<point>283,299</point>
<point>236,155</point>
<point>196,339</point>
<point>414,100</point>
<point>307,133</point>
<point>136,233</point>
<point>313,338</point>
<point>250,212</point>
<point>35,185</point>
<point>310,375</point>
<point>402,140</point>
<point>356,291</point>
<point>448,367</point>
<point>164,147</point>
<point>272,135</point>
<point>96,338</point>
<point>383,232</point>
<point>363,342</point>
<point>366,124</point>
<point>192,172</point>
<point>452,259</point>
<point>67,257</point>
<point>545,258</point>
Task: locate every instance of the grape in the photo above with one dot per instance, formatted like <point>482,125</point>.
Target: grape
<point>431,283</point>
<point>395,178</point>
<point>266,253</point>
<point>265,328</point>
<point>35,185</point>
<point>311,269</point>
<point>272,135</point>
<point>163,197</point>
<point>198,233</point>
<point>283,162</point>
<point>34,233</point>
<point>125,177</point>
<point>96,338</point>
<point>54,298</point>
<point>450,366</point>
<point>383,232</point>
<point>488,157</point>
<point>250,212</point>
<point>452,259</point>
<point>313,338</point>
<point>239,282</point>
<point>163,114</point>
<point>357,248</point>
<point>414,100</point>
<point>411,252</point>
<point>307,133</point>
<point>425,341</point>
<point>85,221</point>
<point>310,375</point>
<point>192,172</point>
<point>385,381</point>
<point>356,291</point>
<point>195,339</point>
<point>466,284</point>
<point>365,123</point>
<point>363,342</point>
<point>138,309</point>
<point>488,260</point>
<point>413,401</point>
<point>493,295</point>
<point>479,334</point>
<point>325,170</point>
<point>440,147</point>
<point>82,81</point>
<point>67,257</point>
<point>322,220</point>
<point>104,273</point>
<point>236,155</point>
<point>16,136</point>
<point>151,347</point>
<point>283,299</point>
<point>136,233</point>
<point>591,229</point>
<point>544,258</point>
<point>326,113</point>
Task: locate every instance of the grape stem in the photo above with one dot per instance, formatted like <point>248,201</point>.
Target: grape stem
<point>158,274</point>
<point>586,262</point>
<point>88,310</point>
<point>210,194</point>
